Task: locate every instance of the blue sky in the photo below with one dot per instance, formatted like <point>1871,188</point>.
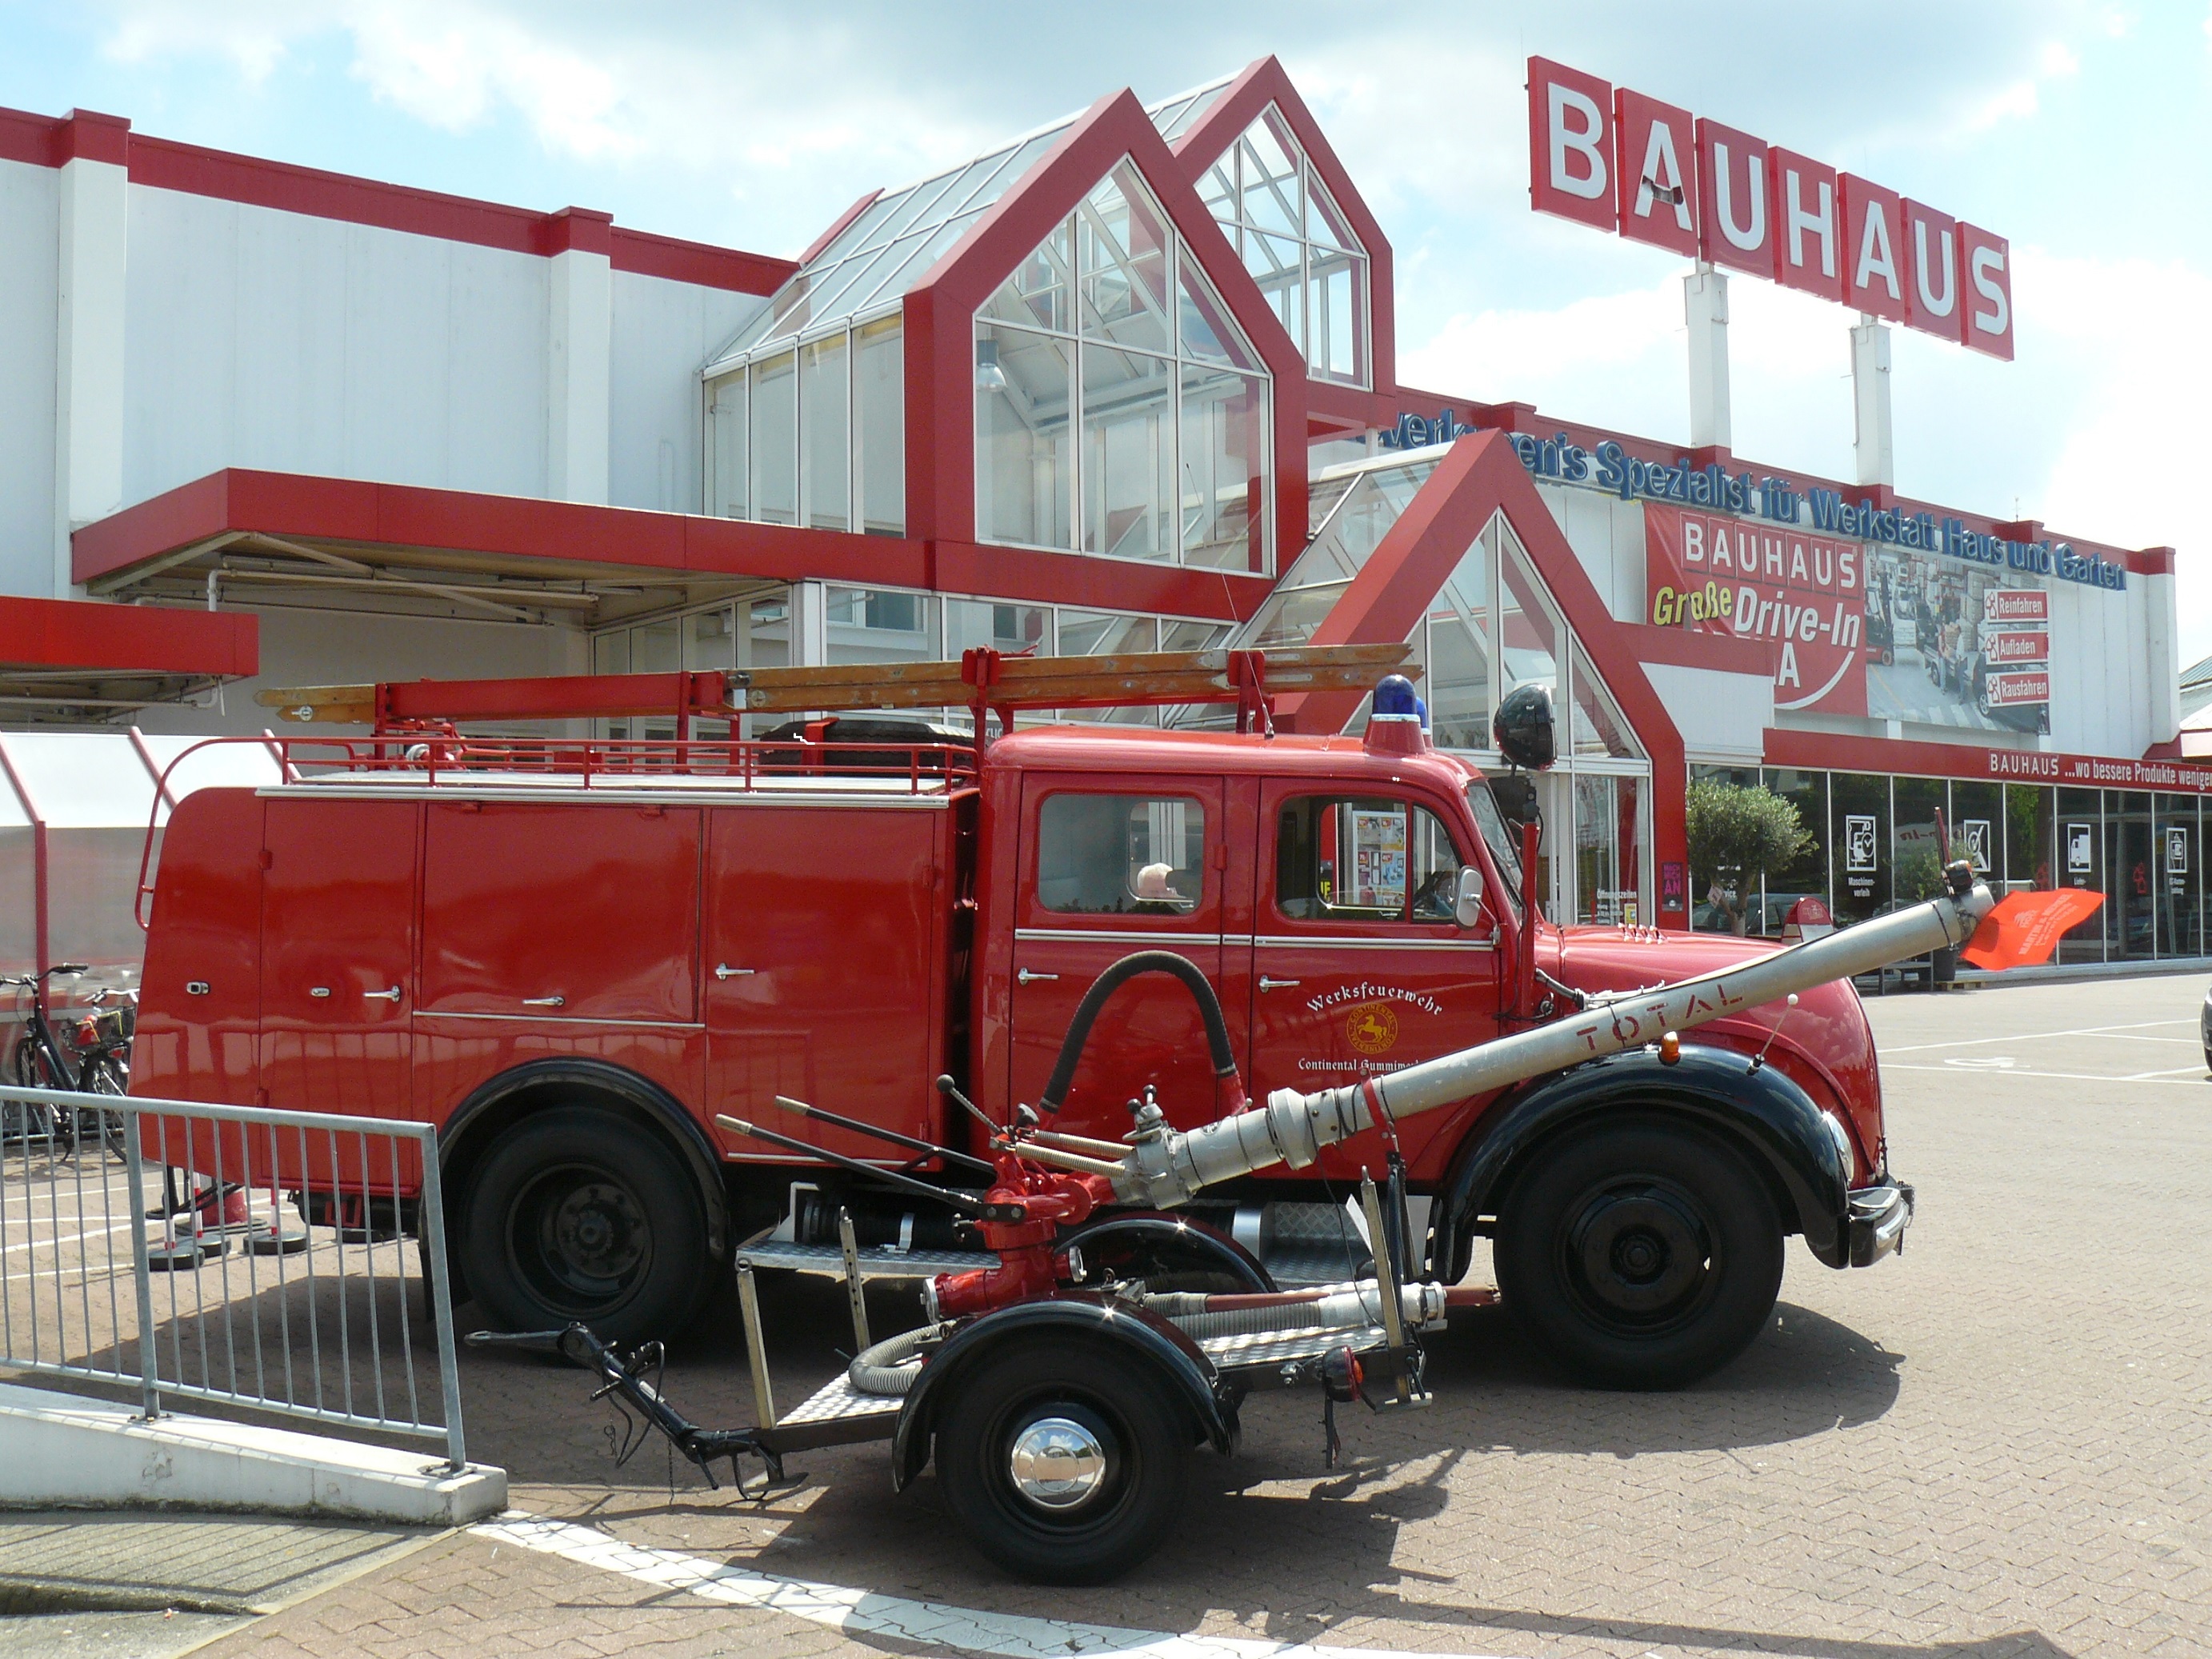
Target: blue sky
<point>2078,131</point>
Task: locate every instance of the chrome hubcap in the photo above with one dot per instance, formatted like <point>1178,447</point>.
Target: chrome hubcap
<point>1057,1463</point>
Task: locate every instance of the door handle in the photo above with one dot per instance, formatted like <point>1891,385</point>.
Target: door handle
<point>1266,984</point>
<point>723,970</point>
<point>544,1002</point>
<point>392,995</point>
<point>1025,977</point>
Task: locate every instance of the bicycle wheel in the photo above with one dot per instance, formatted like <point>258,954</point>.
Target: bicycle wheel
<point>103,1074</point>
<point>31,1121</point>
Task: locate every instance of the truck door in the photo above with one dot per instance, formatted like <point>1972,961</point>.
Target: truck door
<point>1359,967</point>
<point>1109,866</point>
<point>821,976</point>
<point>337,963</point>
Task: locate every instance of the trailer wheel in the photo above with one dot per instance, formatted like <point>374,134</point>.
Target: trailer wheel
<point>1064,1463</point>
<point>576,1214</point>
<point>1640,1255</point>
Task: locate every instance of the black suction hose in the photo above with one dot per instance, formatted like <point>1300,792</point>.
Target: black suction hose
<point>1142,962</point>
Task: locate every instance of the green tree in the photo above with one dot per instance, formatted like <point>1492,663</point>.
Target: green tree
<point>1738,833</point>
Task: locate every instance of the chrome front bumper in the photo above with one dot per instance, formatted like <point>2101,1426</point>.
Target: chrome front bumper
<point>1878,1217</point>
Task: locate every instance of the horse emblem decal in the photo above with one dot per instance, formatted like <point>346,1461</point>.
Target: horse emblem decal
<point>1371,1027</point>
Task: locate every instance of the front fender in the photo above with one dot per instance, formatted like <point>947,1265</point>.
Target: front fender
<point>1178,1360</point>
<point>1760,1111</point>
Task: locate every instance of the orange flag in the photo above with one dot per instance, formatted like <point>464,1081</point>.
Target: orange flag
<point>2024,928</point>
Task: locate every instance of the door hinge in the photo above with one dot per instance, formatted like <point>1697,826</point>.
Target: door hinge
<point>267,858</point>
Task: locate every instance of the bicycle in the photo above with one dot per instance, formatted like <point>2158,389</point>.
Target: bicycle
<point>100,1066</point>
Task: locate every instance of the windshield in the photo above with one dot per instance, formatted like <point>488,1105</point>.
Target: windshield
<point>1504,851</point>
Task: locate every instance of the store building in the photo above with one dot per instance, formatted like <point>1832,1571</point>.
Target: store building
<point>1126,383</point>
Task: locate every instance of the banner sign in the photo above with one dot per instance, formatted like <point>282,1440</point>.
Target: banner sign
<point>1756,580</point>
<point>2013,646</point>
<point>1618,161</point>
<point>2016,604</point>
<point>2012,690</point>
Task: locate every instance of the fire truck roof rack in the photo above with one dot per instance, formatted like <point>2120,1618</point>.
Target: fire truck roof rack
<point>980,680</point>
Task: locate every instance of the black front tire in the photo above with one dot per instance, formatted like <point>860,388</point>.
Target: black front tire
<point>1115,1398</point>
<point>1643,1255</point>
<point>578,1214</point>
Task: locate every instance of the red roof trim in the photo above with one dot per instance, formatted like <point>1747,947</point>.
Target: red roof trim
<point>699,264</point>
<point>127,639</point>
<point>1225,121</point>
<point>222,175</point>
<point>1828,751</point>
<point>524,528</point>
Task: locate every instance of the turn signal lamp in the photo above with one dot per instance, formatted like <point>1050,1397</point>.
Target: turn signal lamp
<point>1670,1047</point>
<point>1395,726</point>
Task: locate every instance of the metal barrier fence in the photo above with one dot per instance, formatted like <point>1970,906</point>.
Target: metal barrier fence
<point>267,1261</point>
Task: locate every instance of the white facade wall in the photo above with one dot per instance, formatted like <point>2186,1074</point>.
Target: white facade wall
<point>29,209</point>
<point>273,340</point>
<point>206,334</point>
<point>664,333</point>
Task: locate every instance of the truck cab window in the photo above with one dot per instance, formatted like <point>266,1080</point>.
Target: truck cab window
<point>1503,840</point>
<point>1342,858</point>
<point>1121,854</point>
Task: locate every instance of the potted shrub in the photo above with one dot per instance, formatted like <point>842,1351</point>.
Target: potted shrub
<point>1741,832</point>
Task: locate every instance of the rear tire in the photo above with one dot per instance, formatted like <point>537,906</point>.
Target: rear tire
<point>576,1214</point>
<point>1062,1395</point>
<point>1643,1255</point>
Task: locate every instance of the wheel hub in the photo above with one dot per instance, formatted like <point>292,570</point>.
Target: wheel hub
<point>598,1231</point>
<point>1641,1252</point>
<point>1057,1463</point>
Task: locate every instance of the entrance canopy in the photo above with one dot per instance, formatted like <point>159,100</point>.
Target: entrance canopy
<point>64,661</point>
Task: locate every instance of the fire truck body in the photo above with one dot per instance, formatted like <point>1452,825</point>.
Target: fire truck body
<point>571,977</point>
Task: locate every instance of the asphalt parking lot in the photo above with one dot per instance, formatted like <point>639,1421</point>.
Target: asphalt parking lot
<point>1997,1445</point>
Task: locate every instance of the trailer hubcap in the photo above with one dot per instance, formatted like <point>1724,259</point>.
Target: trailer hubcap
<point>1641,1251</point>
<point>1057,1463</point>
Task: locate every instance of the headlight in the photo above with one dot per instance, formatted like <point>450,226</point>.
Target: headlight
<point>1843,1139</point>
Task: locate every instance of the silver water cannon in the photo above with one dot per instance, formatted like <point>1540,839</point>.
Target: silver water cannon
<point>1165,1167</point>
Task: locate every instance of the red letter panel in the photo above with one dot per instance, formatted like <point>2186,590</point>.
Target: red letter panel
<point>1932,302</point>
<point>1570,144</point>
<point>1874,249</point>
<point>1985,273</point>
<point>1655,180</point>
<point>1732,170</point>
<point>1806,203</point>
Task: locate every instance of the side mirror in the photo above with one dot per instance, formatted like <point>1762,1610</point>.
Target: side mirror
<point>1466,904</point>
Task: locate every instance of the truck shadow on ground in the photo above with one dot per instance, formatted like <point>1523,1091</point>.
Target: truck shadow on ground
<point>1272,1536</point>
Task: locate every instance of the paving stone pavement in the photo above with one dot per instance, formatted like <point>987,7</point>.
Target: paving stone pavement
<point>1997,1446</point>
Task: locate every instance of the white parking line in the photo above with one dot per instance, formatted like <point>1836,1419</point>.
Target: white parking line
<point>866,1613</point>
<point>2187,1081</point>
<point>2032,1036</point>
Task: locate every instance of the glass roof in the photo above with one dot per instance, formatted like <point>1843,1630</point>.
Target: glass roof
<point>898,238</point>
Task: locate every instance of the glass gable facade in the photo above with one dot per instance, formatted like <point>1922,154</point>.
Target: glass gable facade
<point>1119,408</point>
<point>1298,246</point>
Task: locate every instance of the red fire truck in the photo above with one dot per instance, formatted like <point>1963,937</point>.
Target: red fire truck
<point>571,956</point>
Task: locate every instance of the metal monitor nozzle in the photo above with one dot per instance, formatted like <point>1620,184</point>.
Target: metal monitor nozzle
<point>1166,1168</point>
